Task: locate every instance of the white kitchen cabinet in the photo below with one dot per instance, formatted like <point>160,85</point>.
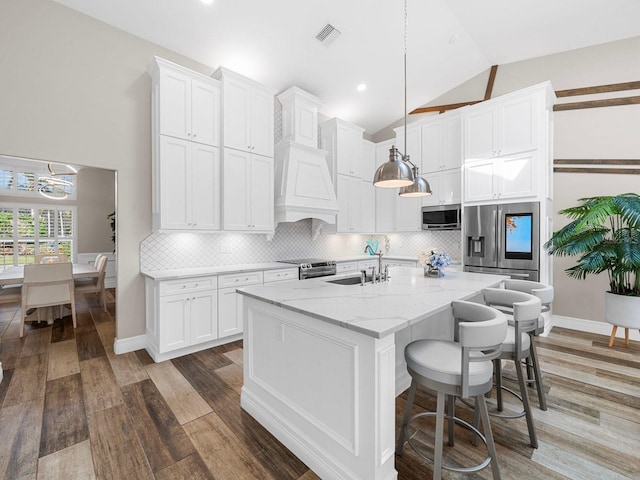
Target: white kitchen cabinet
<point>368,207</point>
<point>188,186</point>
<point>346,267</point>
<point>506,125</point>
<point>248,192</point>
<point>280,275</point>
<point>414,142</point>
<point>247,120</point>
<point>186,103</point>
<point>181,315</point>
<point>349,192</point>
<point>441,139</point>
<point>367,264</point>
<point>446,187</point>
<point>398,263</point>
<point>501,178</point>
<point>343,141</point>
<point>185,152</point>
<point>230,302</point>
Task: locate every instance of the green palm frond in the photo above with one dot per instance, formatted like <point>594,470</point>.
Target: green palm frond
<point>604,233</point>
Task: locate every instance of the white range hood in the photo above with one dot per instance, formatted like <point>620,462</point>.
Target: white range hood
<point>303,185</point>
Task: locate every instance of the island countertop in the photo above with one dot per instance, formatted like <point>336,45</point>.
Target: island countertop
<point>378,309</point>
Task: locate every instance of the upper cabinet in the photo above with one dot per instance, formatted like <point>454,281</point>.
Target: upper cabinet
<point>507,146</point>
<point>247,156</point>
<point>247,122</point>
<point>343,141</point>
<point>441,142</point>
<point>187,103</point>
<point>185,149</point>
<point>413,144</point>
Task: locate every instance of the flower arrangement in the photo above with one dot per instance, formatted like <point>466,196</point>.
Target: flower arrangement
<point>434,262</point>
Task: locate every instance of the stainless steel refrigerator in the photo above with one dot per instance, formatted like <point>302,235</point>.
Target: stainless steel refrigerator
<point>503,239</point>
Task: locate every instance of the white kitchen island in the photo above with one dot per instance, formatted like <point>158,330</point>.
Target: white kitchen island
<point>323,363</point>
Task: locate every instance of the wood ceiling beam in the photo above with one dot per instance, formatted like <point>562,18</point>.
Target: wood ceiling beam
<point>492,79</point>
<point>610,102</point>
<point>443,108</point>
<point>614,87</point>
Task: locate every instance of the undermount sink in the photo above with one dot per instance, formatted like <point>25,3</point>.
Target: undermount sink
<point>347,281</point>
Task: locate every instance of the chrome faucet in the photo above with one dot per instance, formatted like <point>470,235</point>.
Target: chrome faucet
<point>369,249</point>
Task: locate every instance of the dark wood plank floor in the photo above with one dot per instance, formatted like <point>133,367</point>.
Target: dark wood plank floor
<point>72,409</point>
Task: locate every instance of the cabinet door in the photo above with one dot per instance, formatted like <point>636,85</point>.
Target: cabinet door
<point>431,136</point>
<point>174,324</point>
<point>516,177</point>
<point>175,104</point>
<point>368,161</point>
<point>480,126</point>
<point>450,186</point>
<point>414,143</point>
<point>386,209</point>
<point>205,187</point>
<point>261,192</point>
<point>205,112</point>
<point>236,196</point>
<point>348,160</point>
<point>478,180</point>
<point>262,122</point>
<point>408,214</point>
<point>342,192</point>
<point>451,142</point>
<point>229,312</point>
<point>204,316</point>
<point>237,112</point>
<point>368,204</point>
<point>174,183</point>
<point>517,126</point>
<point>434,179</point>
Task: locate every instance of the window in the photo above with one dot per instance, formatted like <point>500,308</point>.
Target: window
<point>26,182</point>
<point>29,231</point>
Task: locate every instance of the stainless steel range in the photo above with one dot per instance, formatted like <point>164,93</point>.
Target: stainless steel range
<point>313,267</point>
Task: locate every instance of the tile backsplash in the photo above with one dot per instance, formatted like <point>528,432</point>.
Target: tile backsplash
<point>162,251</point>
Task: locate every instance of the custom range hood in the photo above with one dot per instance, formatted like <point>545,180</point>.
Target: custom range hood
<point>303,186</point>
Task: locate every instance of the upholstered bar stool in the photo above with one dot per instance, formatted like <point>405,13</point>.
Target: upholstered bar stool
<point>452,369</point>
<point>546,294</point>
<point>517,347</point>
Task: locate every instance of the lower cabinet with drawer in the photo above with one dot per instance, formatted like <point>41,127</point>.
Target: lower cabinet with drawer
<point>230,302</point>
<point>182,316</point>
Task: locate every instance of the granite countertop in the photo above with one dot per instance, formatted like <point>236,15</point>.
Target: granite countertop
<point>376,310</point>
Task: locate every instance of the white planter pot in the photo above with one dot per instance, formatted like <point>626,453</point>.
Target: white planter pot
<point>622,310</point>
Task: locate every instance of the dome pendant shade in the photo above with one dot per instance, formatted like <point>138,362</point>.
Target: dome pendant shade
<point>393,174</point>
<point>419,188</point>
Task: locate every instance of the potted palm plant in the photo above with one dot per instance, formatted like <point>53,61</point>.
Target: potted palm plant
<point>604,232</point>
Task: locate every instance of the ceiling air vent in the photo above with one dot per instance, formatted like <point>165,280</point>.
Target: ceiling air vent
<point>328,34</point>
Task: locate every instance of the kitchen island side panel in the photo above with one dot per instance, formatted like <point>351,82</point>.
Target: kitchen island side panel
<point>326,392</point>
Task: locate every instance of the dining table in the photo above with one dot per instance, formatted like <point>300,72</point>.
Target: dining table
<point>15,275</point>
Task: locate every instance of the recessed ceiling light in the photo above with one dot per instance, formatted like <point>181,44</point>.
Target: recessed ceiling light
<point>207,2</point>
<point>362,87</point>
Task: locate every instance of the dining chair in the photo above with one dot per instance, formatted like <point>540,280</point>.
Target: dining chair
<point>47,285</point>
<point>51,258</point>
<point>95,284</point>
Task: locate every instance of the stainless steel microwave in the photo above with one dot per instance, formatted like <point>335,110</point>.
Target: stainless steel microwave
<point>441,217</point>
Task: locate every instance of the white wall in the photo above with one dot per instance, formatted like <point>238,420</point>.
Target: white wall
<point>75,90</point>
<point>598,133</point>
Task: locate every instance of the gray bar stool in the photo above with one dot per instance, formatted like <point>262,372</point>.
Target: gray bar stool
<point>516,347</point>
<point>453,369</point>
<point>546,294</point>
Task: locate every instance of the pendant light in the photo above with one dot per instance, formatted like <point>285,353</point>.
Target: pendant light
<point>399,171</point>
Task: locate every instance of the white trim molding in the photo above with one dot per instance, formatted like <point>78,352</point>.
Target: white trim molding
<point>130,344</point>
<point>591,326</point>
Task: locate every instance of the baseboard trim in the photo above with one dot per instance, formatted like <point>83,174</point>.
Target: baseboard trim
<point>591,326</point>
<point>130,344</point>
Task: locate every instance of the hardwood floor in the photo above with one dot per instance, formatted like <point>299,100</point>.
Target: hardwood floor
<point>72,409</point>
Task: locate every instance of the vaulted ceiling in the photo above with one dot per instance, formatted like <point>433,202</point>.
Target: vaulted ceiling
<point>448,41</point>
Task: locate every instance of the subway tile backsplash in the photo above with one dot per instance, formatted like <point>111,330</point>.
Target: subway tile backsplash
<point>162,251</point>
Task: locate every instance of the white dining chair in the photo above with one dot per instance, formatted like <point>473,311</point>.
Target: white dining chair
<point>95,284</point>
<point>47,285</point>
<point>51,258</point>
